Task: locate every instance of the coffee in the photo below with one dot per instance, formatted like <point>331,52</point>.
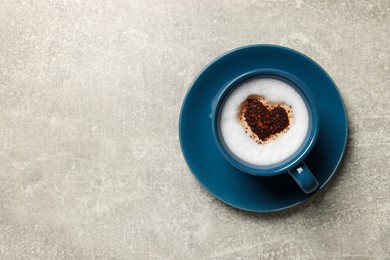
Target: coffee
<point>263,121</point>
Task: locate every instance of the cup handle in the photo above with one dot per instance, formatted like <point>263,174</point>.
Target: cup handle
<point>305,179</point>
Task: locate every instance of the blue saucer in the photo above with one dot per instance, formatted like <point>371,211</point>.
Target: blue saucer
<point>236,188</point>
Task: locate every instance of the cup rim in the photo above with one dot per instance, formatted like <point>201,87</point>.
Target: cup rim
<point>298,156</point>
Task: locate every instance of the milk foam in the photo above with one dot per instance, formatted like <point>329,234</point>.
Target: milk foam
<point>239,142</point>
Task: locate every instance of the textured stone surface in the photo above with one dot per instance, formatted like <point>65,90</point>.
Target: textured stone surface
<point>80,178</point>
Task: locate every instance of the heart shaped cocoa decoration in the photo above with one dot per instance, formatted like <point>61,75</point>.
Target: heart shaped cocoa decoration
<point>263,120</point>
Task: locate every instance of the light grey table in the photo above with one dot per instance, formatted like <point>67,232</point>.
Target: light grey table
<point>90,164</point>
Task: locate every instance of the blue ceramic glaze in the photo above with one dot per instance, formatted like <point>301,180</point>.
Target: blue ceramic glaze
<point>305,179</point>
<point>210,167</point>
<point>290,163</point>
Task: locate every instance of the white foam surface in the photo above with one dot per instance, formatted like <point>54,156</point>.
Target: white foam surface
<point>276,150</point>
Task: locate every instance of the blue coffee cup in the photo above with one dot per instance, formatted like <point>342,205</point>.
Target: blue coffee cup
<point>294,164</point>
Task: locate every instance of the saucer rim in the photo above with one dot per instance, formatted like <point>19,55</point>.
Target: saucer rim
<point>218,58</point>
